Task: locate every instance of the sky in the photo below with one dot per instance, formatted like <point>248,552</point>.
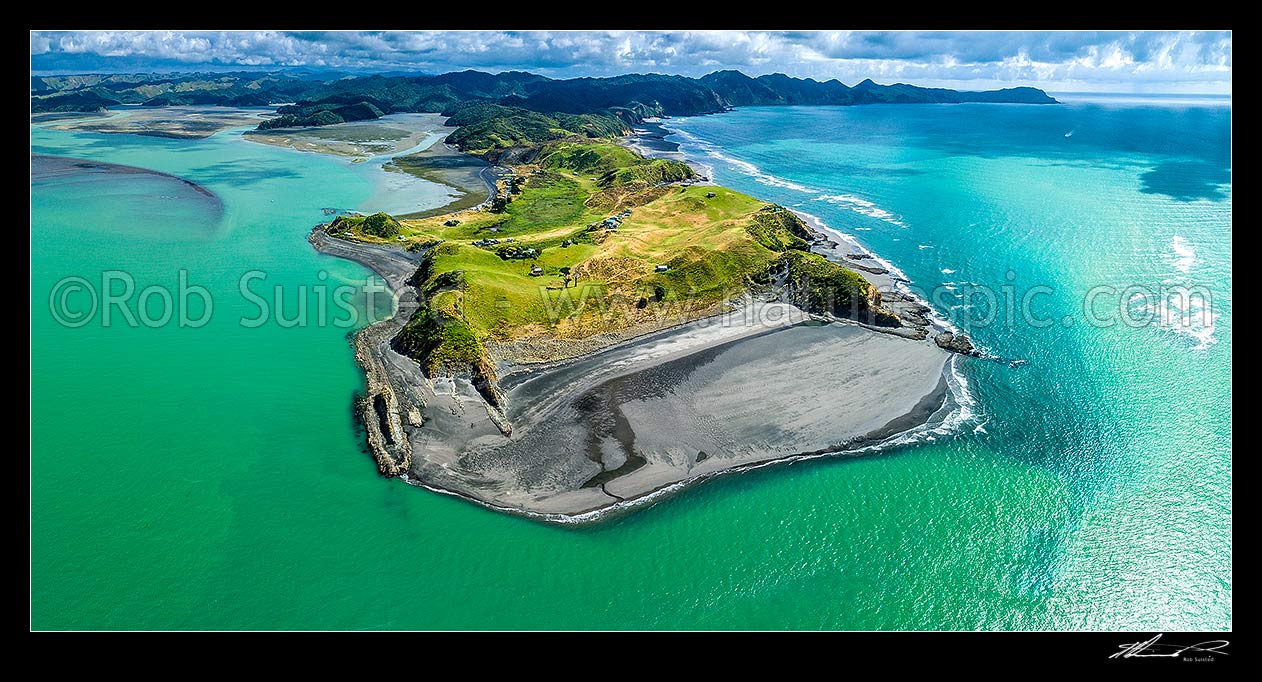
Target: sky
<point>1187,62</point>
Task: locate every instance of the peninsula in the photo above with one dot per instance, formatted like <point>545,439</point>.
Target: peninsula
<point>608,327</point>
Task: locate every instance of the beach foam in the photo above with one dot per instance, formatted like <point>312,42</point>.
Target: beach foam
<point>745,167</point>
<point>1180,311</point>
<point>862,206</point>
<point>1184,255</point>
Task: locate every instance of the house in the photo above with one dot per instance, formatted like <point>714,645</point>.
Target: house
<point>508,239</point>
<point>662,268</point>
<point>536,271</point>
<point>709,195</point>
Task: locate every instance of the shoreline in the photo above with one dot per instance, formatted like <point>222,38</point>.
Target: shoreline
<point>441,163</point>
<point>942,402</point>
<point>180,122</point>
<point>410,144</point>
<point>393,134</point>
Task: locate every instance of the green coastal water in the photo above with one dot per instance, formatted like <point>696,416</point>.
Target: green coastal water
<point>213,477</point>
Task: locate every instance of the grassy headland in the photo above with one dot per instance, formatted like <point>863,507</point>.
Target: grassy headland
<point>590,238</point>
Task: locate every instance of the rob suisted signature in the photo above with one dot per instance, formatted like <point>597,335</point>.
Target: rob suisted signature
<point>1154,649</point>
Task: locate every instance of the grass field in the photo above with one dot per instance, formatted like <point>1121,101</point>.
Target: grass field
<point>581,278</point>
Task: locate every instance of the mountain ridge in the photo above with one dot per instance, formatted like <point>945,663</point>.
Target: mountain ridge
<point>638,94</point>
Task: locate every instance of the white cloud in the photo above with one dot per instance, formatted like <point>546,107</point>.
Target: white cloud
<point>1050,59</point>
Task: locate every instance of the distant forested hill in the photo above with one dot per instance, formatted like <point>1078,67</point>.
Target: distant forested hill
<point>634,95</point>
<point>493,111</point>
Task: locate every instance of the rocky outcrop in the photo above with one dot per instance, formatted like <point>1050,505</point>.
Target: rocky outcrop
<point>956,343</point>
<point>437,337</point>
<point>379,409</point>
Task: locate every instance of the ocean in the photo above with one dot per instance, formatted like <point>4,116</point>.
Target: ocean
<point>212,476</point>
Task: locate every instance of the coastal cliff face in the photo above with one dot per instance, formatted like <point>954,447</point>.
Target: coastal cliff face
<point>817,285</point>
<point>809,280</point>
<point>437,336</point>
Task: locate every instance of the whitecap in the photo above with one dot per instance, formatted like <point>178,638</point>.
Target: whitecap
<point>1184,255</point>
<point>1186,314</point>
<point>861,206</point>
<point>759,175</point>
<point>745,167</point>
<point>948,271</point>
<point>1181,311</point>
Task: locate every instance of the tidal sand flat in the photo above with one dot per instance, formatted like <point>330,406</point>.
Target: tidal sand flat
<point>473,178</point>
<point>193,122</point>
<point>407,144</point>
<point>760,384</point>
<point>388,135</point>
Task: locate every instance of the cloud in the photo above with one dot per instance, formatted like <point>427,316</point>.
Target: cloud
<point>1131,61</point>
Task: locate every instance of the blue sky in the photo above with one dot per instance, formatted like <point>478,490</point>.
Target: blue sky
<point>1057,61</point>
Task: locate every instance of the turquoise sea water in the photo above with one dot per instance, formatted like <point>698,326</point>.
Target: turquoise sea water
<point>212,477</point>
